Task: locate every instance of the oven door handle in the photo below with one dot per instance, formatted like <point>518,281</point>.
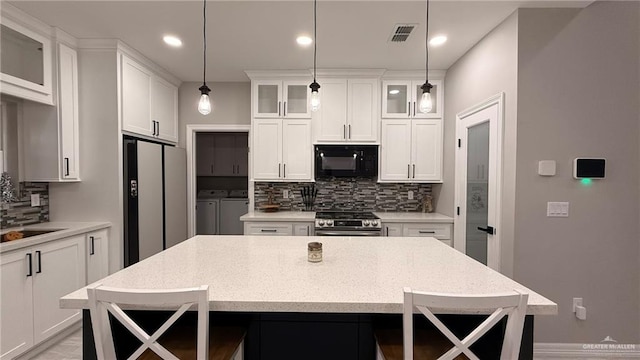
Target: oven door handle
<point>347,233</point>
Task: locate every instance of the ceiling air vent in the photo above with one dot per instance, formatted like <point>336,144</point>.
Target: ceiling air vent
<point>401,32</point>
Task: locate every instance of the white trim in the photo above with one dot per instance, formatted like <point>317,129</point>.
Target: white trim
<point>459,242</point>
<point>413,74</point>
<point>192,129</point>
<point>277,74</point>
<point>553,351</point>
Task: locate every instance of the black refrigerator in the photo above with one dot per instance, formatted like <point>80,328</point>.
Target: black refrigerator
<point>155,198</point>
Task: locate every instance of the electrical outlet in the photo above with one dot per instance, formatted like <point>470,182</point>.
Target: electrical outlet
<point>285,194</point>
<point>35,199</point>
<point>410,195</point>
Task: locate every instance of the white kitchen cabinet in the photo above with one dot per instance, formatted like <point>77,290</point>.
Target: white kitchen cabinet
<point>440,231</point>
<point>282,150</point>
<point>16,303</point>
<point>27,69</point>
<point>97,250</point>
<point>33,280</point>
<point>303,229</point>
<point>268,228</point>
<point>51,134</point>
<point>401,99</point>
<point>281,99</point>
<point>348,111</point>
<point>149,103</point>
<point>411,151</point>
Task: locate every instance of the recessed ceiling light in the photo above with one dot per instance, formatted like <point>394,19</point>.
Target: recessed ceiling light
<point>172,40</point>
<point>438,40</point>
<point>304,40</point>
<point>394,92</point>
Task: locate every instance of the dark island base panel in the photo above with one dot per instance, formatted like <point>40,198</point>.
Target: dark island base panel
<point>314,336</point>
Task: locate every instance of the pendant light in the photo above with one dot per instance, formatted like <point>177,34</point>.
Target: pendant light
<point>315,96</point>
<point>426,104</point>
<point>204,105</point>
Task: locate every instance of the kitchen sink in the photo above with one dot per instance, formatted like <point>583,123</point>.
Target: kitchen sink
<point>29,233</point>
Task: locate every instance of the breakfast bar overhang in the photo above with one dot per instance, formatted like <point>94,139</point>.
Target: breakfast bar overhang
<point>269,283</point>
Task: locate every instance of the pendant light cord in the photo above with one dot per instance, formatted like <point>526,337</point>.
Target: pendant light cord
<point>426,47</point>
<point>204,36</point>
<point>315,38</point>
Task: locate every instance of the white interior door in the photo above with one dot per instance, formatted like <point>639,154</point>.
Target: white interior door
<point>478,177</point>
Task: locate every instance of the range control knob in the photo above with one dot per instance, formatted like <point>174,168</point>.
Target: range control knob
<point>329,222</point>
<point>321,222</point>
<point>374,222</point>
<point>365,222</point>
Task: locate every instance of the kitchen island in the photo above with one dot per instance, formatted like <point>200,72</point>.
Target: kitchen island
<point>286,299</point>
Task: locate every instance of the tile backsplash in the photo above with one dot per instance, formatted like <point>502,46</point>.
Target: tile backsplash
<point>346,194</point>
<point>21,213</point>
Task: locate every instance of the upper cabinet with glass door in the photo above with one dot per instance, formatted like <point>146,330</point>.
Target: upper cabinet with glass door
<point>25,61</point>
<point>401,99</point>
<point>281,99</point>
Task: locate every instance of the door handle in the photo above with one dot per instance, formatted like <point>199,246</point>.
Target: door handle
<point>488,230</point>
<point>39,258</point>
<point>29,266</point>
<point>91,246</point>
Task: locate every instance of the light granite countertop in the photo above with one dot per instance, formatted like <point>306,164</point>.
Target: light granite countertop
<point>309,216</point>
<point>357,275</point>
<point>66,229</point>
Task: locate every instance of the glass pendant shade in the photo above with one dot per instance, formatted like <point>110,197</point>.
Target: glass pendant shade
<point>425,103</point>
<point>204,106</point>
<point>315,101</point>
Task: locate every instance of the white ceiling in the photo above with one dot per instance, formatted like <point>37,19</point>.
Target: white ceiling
<point>260,35</point>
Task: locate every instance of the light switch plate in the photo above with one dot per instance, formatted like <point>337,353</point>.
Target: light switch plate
<point>547,168</point>
<point>557,209</point>
<point>35,199</point>
<point>410,195</point>
<point>285,194</point>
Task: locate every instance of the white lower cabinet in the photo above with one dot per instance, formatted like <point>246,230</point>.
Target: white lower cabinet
<point>279,228</point>
<point>97,251</point>
<point>33,281</point>
<point>440,231</point>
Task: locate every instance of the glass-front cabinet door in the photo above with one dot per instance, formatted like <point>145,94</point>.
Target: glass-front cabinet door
<point>25,63</point>
<point>396,99</point>
<point>296,97</point>
<point>267,99</point>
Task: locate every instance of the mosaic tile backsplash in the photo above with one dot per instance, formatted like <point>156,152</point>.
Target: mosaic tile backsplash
<point>21,213</point>
<point>346,194</point>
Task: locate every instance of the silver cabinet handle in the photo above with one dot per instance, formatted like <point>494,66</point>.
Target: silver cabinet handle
<point>158,132</point>
<point>91,246</point>
<point>344,131</point>
<point>414,171</point>
<point>268,230</point>
<point>408,171</point>
<point>284,170</point>
<point>426,232</point>
<point>414,108</point>
<point>279,103</point>
<point>349,131</point>
<point>66,165</point>
<point>284,109</point>
<point>307,230</point>
<point>387,231</point>
<point>409,109</point>
<point>278,170</point>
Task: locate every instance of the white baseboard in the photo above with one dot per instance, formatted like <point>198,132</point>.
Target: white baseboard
<point>563,351</point>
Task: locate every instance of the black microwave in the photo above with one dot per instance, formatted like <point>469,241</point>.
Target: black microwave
<point>346,161</point>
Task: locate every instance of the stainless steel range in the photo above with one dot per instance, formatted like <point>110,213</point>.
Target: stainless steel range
<point>338,223</point>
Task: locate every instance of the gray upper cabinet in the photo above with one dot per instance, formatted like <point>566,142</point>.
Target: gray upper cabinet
<point>222,154</point>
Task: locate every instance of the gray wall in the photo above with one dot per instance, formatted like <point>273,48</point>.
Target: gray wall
<point>97,197</point>
<point>490,67</point>
<point>578,95</point>
<point>231,105</point>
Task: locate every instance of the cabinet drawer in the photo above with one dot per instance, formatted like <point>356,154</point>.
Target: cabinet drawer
<point>268,229</point>
<point>438,231</point>
<point>303,229</point>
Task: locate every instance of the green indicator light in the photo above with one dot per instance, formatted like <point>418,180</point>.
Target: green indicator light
<point>586,181</point>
